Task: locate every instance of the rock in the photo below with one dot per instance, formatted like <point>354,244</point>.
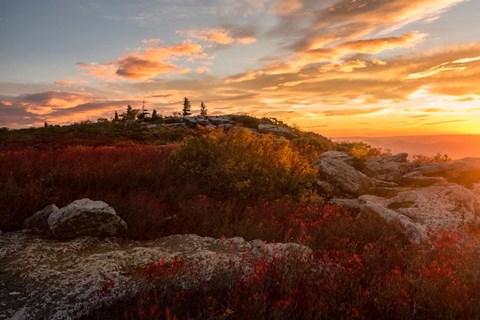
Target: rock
<point>345,179</point>
<point>390,168</point>
<point>175,125</point>
<point>273,128</point>
<point>448,207</point>
<point>86,218</point>
<point>354,205</point>
<point>63,280</point>
<point>217,120</point>
<point>38,222</point>
<point>464,171</point>
<point>417,179</point>
<point>197,120</point>
<point>415,232</point>
<point>338,155</point>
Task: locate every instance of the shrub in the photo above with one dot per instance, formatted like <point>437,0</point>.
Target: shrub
<point>311,145</point>
<point>418,158</point>
<point>381,280</point>
<point>240,164</point>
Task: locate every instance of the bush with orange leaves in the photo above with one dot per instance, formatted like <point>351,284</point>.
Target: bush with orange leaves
<point>242,165</point>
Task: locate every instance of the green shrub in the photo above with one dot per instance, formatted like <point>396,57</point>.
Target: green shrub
<point>241,164</point>
<point>311,145</point>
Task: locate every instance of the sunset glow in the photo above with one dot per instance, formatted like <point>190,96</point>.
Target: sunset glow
<point>337,67</point>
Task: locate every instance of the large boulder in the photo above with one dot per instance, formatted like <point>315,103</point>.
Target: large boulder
<point>43,278</point>
<point>86,218</point>
<point>390,168</point>
<point>38,223</point>
<point>464,171</point>
<point>450,206</point>
<point>344,179</point>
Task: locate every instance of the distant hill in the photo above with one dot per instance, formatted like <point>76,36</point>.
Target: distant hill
<point>456,146</point>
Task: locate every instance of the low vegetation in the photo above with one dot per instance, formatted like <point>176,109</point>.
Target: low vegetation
<point>167,180</point>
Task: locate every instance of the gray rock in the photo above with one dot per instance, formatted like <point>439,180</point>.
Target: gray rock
<point>38,222</point>
<point>345,179</point>
<point>448,207</point>
<point>273,128</point>
<point>46,279</point>
<point>390,168</point>
<point>354,205</point>
<point>416,178</point>
<point>217,120</point>
<point>414,231</point>
<point>338,155</point>
<point>175,125</point>
<point>86,218</point>
<point>197,120</point>
<point>464,171</point>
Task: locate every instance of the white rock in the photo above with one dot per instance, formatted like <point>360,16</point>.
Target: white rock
<point>61,280</point>
<point>447,207</point>
<point>86,218</point>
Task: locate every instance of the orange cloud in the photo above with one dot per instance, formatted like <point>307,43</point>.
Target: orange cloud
<point>285,7</point>
<point>304,59</point>
<point>148,63</point>
<point>220,36</point>
<point>457,65</point>
<point>69,83</point>
<point>203,69</point>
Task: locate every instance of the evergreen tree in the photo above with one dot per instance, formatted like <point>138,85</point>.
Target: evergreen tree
<point>130,115</point>
<point>203,109</point>
<point>143,115</point>
<point>155,116</point>
<point>115,117</point>
<point>45,125</point>
<point>186,108</point>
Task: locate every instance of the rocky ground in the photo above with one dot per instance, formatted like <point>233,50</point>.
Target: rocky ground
<point>417,196</point>
<point>43,278</point>
<point>55,268</point>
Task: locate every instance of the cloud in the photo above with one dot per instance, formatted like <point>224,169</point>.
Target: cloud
<point>304,59</point>
<point>219,36</point>
<point>69,82</point>
<point>203,69</point>
<point>350,112</point>
<point>457,65</point>
<point>147,63</point>
<point>15,116</point>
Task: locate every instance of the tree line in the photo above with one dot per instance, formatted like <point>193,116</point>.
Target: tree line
<point>143,115</point>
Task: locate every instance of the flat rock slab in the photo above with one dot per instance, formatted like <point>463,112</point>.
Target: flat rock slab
<point>41,278</point>
<point>448,207</point>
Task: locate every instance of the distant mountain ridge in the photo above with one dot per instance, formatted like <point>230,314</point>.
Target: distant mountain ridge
<point>456,146</point>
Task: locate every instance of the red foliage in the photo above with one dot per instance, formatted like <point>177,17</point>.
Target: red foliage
<point>31,179</point>
<point>435,280</point>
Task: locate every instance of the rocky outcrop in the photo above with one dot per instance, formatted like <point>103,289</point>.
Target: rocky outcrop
<point>341,178</point>
<point>38,222</point>
<point>415,197</point>
<point>390,168</point>
<point>86,218</point>
<point>43,278</point>
<point>464,171</point>
<point>447,207</point>
<point>273,128</point>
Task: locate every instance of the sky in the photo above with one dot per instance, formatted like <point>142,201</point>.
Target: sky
<point>337,67</point>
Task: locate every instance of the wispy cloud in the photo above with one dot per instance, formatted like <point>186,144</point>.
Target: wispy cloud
<point>147,62</point>
<point>218,35</point>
